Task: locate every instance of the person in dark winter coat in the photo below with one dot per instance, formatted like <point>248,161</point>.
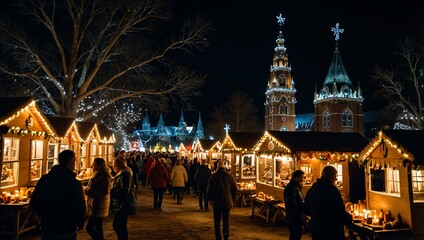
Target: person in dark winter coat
<point>222,189</point>
<point>293,199</point>
<point>59,200</point>
<point>135,168</point>
<point>98,198</point>
<point>324,204</point>
<point>123,198</point>
<point>202,177</point>
<point>157,178</point>
<point>191,172</point>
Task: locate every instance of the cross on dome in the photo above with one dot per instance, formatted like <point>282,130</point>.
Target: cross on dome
<point>227,128</point>
<point>280,20</point>
<point>336,30</point>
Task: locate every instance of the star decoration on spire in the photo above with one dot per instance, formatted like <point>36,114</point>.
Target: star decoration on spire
<point>336,30</point>
<point>280,20</point>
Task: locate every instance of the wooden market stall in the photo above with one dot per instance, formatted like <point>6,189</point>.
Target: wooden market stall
<point>88,148</point>
<point>67,137</point>
<point>238,154</point>
<point>25,132</point>
<point>279,153</point>
<point>394,161</point>
<point>106,146</point>
<point>185,149</point>
<point>207,149</point>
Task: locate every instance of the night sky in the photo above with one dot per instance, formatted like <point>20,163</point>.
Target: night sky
<point>242,45</point>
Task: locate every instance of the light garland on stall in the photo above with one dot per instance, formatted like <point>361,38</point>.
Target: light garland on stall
<point>272,140</point>
<point>382,140</point>
<point>31,107</point>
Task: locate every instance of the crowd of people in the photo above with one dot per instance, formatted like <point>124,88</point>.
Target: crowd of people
<point>113,189</point>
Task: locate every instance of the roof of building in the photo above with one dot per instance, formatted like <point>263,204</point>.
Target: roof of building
<point>337,72</point>
<point>207,143</point>
<point>61,125</point>
<point>412,140</point>
<point>245,139</point>
<point>10,105</point>
<point>11,108</point>
<point>321,141</point>
<point>104,131</point>
<point>84,129</point>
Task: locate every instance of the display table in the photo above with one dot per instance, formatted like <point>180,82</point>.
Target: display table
<point>244,197</point>
<point>367,231</point>
<point>15,219</point>
<point>264,207</point>
<point>280,212</point>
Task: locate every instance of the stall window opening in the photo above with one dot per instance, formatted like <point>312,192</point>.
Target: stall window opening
<point>249,166</point>
<point>393,181</point>
<point>386,181</point>
<point>307,177</point>
<point>10,166</point>
<point>52,156</point>
<point>83,155</point>
<point>37,151</point>
<point>266,169</point>
<point>418,184</point>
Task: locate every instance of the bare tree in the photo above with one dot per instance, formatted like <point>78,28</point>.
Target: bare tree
<point>83,56</point>
<point>401,86</point>
<point>239,111</point>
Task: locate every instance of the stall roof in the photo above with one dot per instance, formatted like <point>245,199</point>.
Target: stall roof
<point>9,105</point>
<point>12,106</point>
<point>207,143</point>
<point>84,129</point>
<point>321,141</point>
<point>245,139</point>
<point>61,125</point>
<point>187,145</point>
<point>410,140</point>
<point>104,131</point>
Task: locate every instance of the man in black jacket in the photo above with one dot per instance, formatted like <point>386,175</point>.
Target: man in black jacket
<point>324,204</point>
<point>222,191</point>
<point>293,199</point>
<point>202,176</point>
<point>59,200</point>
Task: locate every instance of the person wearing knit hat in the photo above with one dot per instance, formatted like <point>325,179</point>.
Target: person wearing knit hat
<point>221,192</point>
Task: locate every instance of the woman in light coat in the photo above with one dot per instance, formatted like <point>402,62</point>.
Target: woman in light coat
<point>179,178</point>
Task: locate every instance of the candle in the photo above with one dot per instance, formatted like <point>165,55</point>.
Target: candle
<point>24,198</point>
<point>22,192</point>
<point>17,192</point>
<point>375,220</point>
<point>16,198</point>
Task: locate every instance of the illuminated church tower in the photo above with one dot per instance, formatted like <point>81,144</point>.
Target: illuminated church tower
<point>338,106</point>
<point>280,94</point>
